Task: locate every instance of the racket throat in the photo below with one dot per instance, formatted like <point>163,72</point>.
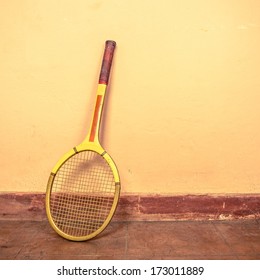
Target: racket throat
<point>94,131</point>
<point>93,135</point>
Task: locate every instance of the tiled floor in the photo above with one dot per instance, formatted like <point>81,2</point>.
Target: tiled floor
<point>201,240</point>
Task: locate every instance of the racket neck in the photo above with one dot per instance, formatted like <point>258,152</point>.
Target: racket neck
<point>93,135</point>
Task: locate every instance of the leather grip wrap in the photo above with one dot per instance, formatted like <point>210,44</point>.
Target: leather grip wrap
<point>107,62</point>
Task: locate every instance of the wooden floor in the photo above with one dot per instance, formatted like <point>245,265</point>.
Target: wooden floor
<point>236,239</point>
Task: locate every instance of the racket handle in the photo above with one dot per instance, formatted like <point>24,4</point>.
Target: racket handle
<point>107,62</point>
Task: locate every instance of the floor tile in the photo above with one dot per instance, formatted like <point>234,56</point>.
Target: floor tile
<point>49,245</point>
<point>175,240</point>
<point>243,237</point>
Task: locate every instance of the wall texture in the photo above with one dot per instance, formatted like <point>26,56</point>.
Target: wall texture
<point>183,110</point>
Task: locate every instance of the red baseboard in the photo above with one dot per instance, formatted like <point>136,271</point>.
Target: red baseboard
<point>29,206</point>
<point>189,207</point>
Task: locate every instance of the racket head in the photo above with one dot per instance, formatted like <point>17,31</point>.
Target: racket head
<point>82,193</point>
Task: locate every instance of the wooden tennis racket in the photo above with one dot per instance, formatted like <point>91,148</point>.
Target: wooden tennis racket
<point>84,186</point>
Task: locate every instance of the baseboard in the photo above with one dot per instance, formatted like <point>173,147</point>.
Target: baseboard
<point>31,206</point>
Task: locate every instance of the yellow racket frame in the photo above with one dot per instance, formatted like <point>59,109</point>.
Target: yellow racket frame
<point>87,145</point>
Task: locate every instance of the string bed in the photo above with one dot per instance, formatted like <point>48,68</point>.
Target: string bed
<point>82,194</point>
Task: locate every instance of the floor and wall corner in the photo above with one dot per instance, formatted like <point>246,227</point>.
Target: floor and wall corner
<point>181,121</point>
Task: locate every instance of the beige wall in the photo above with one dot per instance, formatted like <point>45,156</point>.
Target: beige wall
<point>183,110</point>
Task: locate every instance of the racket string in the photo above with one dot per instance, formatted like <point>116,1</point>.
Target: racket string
<point>82,194</point>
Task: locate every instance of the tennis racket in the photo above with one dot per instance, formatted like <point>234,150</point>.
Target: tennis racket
<point>84,186</point>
